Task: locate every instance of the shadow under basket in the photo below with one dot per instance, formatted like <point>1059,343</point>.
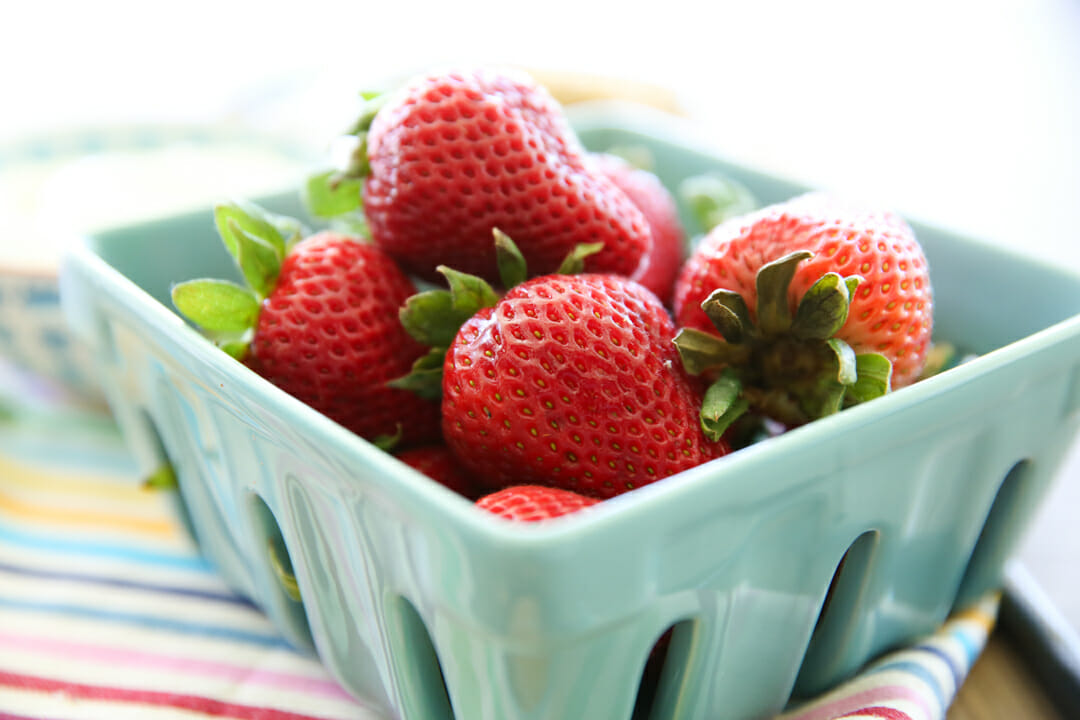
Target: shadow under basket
<point>425,607</point>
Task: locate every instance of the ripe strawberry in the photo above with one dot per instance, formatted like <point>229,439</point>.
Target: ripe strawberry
<point>668,249</point>
<point>572,381</point>
<point>831,288</point>
<point>450,157</point>
<point>319,321</point>
<point>439,464</point>
<point>533,503</point>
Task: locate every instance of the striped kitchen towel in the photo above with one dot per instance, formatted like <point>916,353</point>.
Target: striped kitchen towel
<point>108,612</point>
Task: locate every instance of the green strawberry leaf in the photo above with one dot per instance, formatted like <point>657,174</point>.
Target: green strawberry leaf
<point>874,379</point>
<point>846,363</point>
<point>468,292</point>
<point>574,262</point>
<point>701,351</point>
<point>729,314</point>
<point>163,478</point>
<point>358,166</point>
<point>373,103</point>
<point>329,194</point>
<point>354,224</point>
<point>773,281</point>
<point>236,349</point>
<point>434,316</point>
<point>823,310</point>
<point>430,318</point>
<point>259,261</point>
<point>387,443</point>
<point>511,263</point>
<point>425,377</point>
<point>216,305</point>
<point>723,405</point>
<point>713,199</point>
<point>828,400</point>
<point>251,219</point>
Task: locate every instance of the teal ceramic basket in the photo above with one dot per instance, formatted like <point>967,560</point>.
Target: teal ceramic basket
<point>429,609</point>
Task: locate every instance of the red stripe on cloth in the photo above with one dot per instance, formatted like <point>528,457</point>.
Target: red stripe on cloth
<point>887,713</point>
<point>204,705</point>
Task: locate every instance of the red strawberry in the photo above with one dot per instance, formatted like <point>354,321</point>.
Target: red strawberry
<point>572,381</point>
<point>668,248</point>
<point>450,157</point>
<point>533,503</point>
<point>319,321</point>
<point>874,299</point>
<point>439,464</point>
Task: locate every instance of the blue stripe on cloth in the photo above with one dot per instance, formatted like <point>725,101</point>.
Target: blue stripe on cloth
<point>957,673</point>
<point>224,597</point>
<point>147,621</point>
<point>972,646</point>
<point>918,670</point>
<point>83,548</point>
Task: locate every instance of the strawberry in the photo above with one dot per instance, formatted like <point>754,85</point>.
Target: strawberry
<point>449,157</point>
<point>319,320</point>
<point>439,464</point>
<point>645,190</point>
<point>572,381</point>
<point>533,503</point>
<point>821,304</point>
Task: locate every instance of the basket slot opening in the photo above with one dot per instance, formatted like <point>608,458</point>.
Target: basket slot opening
<point>419,672</point>
<point>287,601</point>
<point>165,477</point>
<point>663,670</point>
<point>1002,527</point>
<point>838,616</point>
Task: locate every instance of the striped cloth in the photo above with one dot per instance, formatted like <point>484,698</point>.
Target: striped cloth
<point>107,610</point>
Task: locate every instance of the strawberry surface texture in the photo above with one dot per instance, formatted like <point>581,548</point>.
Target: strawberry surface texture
<point>665,257</point>
<point>452,156</point>
<point>572,381</point>
<point>328,333</point>
<point>533,503</point>
<point>891,310</point>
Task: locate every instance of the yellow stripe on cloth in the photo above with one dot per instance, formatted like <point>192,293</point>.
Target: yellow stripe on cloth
<point>67,516</point>
<point>74,482</point>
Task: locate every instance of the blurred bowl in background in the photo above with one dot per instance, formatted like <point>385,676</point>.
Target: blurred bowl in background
<point>54,188</point>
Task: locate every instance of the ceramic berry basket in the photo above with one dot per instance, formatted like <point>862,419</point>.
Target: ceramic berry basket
<point>429,609</point>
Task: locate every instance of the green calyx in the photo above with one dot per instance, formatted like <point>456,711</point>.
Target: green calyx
<point>337,195</point>
<point>713,198</point>
<point>331,196</point>
<point>434,317</point>
<point>358,167</point>
<point>258,241</point>
<point>788,366</point>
